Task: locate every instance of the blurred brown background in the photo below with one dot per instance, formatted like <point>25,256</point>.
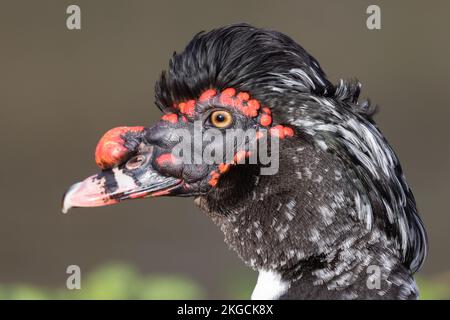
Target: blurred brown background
<point>60,90</point>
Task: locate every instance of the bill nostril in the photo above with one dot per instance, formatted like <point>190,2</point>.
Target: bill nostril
<point>135,162</point>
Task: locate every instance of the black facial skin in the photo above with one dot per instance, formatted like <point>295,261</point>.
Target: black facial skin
<point>164,135</point>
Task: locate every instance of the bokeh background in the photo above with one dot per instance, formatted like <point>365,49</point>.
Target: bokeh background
<point>60,90</point>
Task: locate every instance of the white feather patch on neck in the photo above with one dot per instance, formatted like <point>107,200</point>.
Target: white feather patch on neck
<point>269,286</point>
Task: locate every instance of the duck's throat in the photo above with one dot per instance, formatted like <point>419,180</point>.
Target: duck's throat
<point>300,257</point>
<point>309,232</point>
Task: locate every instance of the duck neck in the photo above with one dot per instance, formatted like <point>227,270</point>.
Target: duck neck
<point>305,230</point>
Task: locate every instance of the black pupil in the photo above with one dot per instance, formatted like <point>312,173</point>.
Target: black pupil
<point>220,118</point>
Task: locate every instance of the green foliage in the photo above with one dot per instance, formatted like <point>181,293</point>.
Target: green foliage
<point>113,281</point>
<point>169,287</point>
<point>432,290</point>
<point>122,281</point>
<point>239,286</point>
<point>22,291</point>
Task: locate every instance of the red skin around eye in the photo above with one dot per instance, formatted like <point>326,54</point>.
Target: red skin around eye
<point>253,104</point>
<point>226,97</point>
<point>171,117</point>
<point>110,150</point>
<point>266,110</point>
<point>250,109</point>
<point>187,107</point>
<point>182,107</point>
<point>213,182</point>
<point>229,97</point>
<point>240,155</point>
<point>215,174</point>
<point>226,100</point>
<point>244,96</point>
<point>288,132</point>
<point>190,107</point>
<point>224,167</point>
<point>281,131</point>
<point>208,94</point>
<point>265,120</point>
<point>214,178</point>
<point>240,99</point>
<point>229,92</point>
<point>277,131</point>
<point>165,159</point>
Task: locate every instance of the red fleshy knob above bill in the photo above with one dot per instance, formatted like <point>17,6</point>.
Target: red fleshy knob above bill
<point>110,150</point>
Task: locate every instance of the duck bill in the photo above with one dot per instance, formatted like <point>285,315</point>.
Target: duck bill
<point>115,185</point>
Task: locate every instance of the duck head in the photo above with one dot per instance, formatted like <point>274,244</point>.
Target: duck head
<point>184,154</point>
<point>334,203</point>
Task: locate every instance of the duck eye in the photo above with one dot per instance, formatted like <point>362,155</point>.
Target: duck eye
<point>135,162</point>
<point>221,118</point>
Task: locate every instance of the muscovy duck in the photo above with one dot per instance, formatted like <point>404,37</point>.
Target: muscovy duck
<point>336,221</point>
